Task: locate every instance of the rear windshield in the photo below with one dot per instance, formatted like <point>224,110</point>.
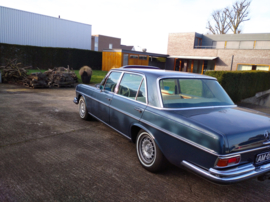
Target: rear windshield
<point>184,93</point>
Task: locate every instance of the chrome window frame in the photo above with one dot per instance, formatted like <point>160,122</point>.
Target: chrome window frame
<point>145,85</point>
<point>106,78</point>
<point>185,77</point>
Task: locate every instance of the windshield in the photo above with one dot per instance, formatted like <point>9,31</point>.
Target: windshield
<point>184,93</point>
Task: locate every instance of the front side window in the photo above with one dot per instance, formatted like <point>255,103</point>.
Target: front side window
<point>185,93</point>
<point>112,81</point>
<point>129,85</point>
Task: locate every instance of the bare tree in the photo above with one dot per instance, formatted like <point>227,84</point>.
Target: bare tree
<point>238,14</point>
<point>229,18</point>
<point>221,25</point>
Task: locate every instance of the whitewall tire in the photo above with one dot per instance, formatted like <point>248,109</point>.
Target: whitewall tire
<point>149,154</point>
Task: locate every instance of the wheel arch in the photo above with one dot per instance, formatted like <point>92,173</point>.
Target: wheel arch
<point>79,97</point>
<point>135,128</point>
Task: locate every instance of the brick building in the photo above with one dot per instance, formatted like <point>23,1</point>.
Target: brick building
<point>101,42</point>
<point>193,52</point>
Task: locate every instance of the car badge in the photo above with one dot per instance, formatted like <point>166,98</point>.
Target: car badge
<point>266,135</point>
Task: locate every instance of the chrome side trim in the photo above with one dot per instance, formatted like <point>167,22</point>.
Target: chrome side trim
<point>93,98</point>
<point>142,127</point>
<point>110,126</point>
<point>158,128</point>
<point>246,151</point>
<point>227,177</point>
<point>198,76</point>
<point>190,108</point>
<point>180,138</point>
<point>126,113</point>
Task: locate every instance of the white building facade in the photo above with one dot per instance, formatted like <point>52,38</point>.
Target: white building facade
<point>26,28</point>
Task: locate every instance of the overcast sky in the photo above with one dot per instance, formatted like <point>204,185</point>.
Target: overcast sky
<point>145,23</point>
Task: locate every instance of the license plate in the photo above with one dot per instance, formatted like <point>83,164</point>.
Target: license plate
<point>263,157</point>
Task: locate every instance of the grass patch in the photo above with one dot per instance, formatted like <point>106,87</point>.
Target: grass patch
<point>97,75</point>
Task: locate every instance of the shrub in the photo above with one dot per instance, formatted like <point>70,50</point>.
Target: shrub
<point>85,73</point>
<point>242,84</point>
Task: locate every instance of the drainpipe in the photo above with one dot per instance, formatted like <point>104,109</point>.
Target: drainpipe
<point>232,62</point>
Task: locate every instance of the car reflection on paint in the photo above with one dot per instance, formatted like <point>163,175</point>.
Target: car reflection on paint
<point>180,118</point>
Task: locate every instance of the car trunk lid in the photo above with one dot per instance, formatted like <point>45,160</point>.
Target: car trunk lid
<point>243,128</point>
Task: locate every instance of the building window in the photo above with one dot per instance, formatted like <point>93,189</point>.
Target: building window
<point>110,46</point>
<point>209,65</point>
<point>125,59</point>
<point>96,43</point>
<point>143,57</point>
<point>262,45</point>
<point>248,67</point>
<point>198,42</point>
<point>218,44</point>
<point>246,44</point>
<point>133,56</point>
<point>232,45</point>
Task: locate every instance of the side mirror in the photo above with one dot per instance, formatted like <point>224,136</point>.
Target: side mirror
<point>101,87</point>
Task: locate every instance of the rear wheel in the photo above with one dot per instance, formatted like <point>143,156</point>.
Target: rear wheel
<point>149,153</point>
<point>83,109</point>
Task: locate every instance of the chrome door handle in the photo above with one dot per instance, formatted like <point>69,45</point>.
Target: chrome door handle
<point>138,109</point>
<point>109,99</point>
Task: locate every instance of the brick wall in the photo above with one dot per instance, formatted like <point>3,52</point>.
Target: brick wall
<point>104,41</point>
<point>182,44</point>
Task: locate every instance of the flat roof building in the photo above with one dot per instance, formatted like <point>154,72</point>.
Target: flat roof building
<point>25,28</point>
<point>194,52</point>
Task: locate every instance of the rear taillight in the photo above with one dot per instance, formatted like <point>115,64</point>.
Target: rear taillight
<point>228,161</point>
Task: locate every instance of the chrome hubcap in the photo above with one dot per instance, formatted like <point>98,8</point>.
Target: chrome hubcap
<point>82,109</point>
<point>147,149</point>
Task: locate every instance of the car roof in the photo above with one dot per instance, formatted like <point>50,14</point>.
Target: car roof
<point>163,73</point>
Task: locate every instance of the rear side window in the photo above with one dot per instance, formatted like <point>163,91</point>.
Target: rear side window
<point>129,85</point>
<point>112,81</point>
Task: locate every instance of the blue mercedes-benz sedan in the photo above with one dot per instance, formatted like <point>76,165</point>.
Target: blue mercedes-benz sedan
<point>181,118</point>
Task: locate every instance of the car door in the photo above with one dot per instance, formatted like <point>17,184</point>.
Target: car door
<point>102,98</point>
<point>129,102</point>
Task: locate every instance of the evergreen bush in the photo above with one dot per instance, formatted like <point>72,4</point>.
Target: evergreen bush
<point>242,84</point>
<point>47,57</point>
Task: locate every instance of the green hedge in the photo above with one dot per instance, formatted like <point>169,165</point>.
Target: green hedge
<point>44,57</point>
<point>242,84</point>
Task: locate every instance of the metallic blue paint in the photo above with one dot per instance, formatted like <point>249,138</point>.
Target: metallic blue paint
<point>191,138</point>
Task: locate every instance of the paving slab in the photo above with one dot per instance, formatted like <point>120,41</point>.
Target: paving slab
<point>47,153</point>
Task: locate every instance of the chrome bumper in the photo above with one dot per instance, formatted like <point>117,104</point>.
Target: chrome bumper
<point>229,176</point>
<point>75,100</point>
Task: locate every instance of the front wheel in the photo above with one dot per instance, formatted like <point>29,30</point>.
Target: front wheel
<point>149,154</point>
<point>83,109</point>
